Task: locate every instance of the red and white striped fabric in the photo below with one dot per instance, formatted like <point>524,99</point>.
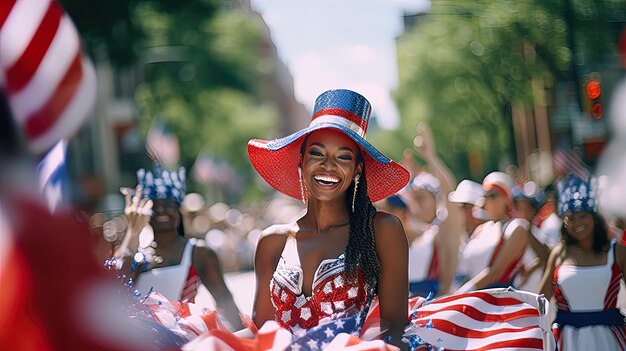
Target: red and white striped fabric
<point>494,319</point>
<point>50,85</point>
<point>191,286</point>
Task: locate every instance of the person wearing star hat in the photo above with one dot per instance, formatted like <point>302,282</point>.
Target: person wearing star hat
<point>330,263</point>
<point>174,267</point>
<point>584,273</point>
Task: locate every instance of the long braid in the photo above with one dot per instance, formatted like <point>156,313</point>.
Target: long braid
<point>361,249</point>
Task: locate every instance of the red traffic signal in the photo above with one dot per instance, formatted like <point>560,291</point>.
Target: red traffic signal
<point>593,89</point>
<point>592,94</point>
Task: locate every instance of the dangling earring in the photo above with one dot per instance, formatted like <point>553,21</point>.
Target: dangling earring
<point>356,185</point>
<point>301,185</point>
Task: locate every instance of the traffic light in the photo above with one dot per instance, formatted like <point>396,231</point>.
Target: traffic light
<point>592,92</point>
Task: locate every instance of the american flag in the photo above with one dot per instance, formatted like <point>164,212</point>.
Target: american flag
<point>50,86</point>
<point>493,319</point>
<point>568,161</point>
<point>332,336</point>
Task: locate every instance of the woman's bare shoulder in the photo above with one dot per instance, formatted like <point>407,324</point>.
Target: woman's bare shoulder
<point>388,226</point>
<point>273,238</point>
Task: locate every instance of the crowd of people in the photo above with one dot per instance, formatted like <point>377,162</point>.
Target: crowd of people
<point>373,246</point>
<point>381,255</point>
<point>371,226</point>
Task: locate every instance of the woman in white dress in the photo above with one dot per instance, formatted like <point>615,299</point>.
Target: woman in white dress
<point>493,255</point>
<point>177,267</point>
<point>584,274</point>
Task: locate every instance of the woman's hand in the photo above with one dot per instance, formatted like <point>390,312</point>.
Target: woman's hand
<point>136,210</point>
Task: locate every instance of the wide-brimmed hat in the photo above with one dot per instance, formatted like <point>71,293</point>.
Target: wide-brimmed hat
<point>277,160</point>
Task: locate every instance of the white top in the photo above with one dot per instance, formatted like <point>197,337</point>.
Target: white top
<point>479,250</point>
<point>170,280</point>
<point>584,288</point>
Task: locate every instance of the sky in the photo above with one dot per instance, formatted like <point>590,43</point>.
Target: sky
<point>350,44</point>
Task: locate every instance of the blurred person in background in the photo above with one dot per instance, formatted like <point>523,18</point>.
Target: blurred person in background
<point>467,194</point>
<point>531,204</point>
<point>342,252</point>
<point>493,254</point>
<point>584,273</point>
<point>176,266</point>
<point>433,253</point>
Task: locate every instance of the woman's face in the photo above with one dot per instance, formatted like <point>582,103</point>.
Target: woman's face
<point>579,225</point>
<point>329,164</point>
<point>165,216</point>
<point>496,205</point>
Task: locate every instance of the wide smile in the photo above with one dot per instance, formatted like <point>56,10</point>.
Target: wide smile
<point>326,180</point>
<point>162,218</point>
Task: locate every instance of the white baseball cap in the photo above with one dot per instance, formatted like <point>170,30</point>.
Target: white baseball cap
<point>467,192</point>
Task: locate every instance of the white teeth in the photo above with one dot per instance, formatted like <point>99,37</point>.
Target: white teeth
<point>328,179</point>
<point>162,218</point>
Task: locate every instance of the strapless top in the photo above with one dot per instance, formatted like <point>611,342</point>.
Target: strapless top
<point>331,297</point>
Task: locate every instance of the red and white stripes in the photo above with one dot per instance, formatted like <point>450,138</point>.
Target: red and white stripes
<point>482,320</point>
<point>50,85</point>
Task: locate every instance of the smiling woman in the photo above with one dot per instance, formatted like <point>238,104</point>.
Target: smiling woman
<point>177,267</point>
<point>584,273</point>
<point>332,262</point>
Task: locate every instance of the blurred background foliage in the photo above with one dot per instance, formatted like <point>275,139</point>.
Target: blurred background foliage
<point>201,65</point>
<point>462,68</point>
<point>465,64</point>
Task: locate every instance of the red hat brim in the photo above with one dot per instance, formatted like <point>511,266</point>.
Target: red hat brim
<point>279,168</point>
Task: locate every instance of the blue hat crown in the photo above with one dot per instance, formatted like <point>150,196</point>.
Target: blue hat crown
<point>161,184</point>
<point>577,195</point>
<point>343,107</point>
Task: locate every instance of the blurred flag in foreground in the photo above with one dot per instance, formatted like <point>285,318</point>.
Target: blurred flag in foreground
<point>50,86</point>
<point>52,175</point>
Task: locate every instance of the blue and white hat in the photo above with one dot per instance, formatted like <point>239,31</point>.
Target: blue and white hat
<point>577,195</point>
<point>161,184</point>
<point>343,110</point>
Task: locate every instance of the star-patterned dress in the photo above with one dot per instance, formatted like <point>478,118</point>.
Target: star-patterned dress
<point>332,298</point>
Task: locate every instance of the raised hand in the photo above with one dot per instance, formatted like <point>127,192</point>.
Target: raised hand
<point>137,210</point>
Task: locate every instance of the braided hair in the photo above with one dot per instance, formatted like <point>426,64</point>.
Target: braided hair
<point>361,250</point>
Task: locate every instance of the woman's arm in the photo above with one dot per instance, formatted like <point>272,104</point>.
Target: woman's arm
<point>209,269</point>
<point>269,247</point>
<point>447,240</point>
<point>393,286</point>
<point>541,250</point>
<point>511,250</point>
<point>545,287</point>
<point>137,212</point>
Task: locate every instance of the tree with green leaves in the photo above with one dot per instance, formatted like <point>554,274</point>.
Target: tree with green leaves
<point>201,66</point>
<point>465,64</point>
